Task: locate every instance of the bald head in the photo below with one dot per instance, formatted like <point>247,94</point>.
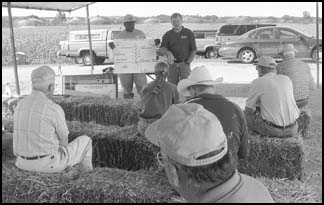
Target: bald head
<point>42,77</point>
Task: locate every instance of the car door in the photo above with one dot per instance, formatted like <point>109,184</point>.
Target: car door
<point>287,35</point>
<point>200,40</point>
<point>266,42</point>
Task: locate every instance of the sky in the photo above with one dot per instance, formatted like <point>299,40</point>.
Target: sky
<point>145,9</point>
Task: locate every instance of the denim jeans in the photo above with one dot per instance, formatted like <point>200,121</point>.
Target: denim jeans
<point>178,71</point>
<point>257,124</point>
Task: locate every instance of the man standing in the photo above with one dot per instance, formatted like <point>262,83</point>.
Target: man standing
<point>271,108</point>
<point>40,136</point>
<point>195,157</point>
<point>299,73</point>
<point>179,45</point>
<point>127,80</point>
<point>200,87</point>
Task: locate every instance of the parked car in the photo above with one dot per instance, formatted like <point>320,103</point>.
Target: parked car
<point>77,45</point>
<point>266,41</point>
<point>206,43</point>
<point>229,32</point>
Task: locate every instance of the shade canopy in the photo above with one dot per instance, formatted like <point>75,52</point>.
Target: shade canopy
<point>54,6</point>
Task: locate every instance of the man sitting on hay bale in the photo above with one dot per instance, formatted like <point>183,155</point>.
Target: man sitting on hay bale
<point>302,79</point>
<point>200,87</point>
<point>40,135</point>
<point>194,153</point>
<point>156,97</point>
<point>271,109</point>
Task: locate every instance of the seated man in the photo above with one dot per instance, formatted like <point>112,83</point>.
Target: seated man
<point>194,154</point>
<point>40,136</point>
<point>271,108</point>
<point>156,97</point>
<point>299,73</point>
<point>201,88</point>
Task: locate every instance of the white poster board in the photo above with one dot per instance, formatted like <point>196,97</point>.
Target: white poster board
<point>134,56</point>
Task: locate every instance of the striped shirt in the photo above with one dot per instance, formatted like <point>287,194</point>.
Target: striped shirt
<point>39,123</point>
<point>300,74</point>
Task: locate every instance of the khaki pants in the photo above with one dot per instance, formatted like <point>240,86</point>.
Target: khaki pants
<point>178,71</point>
<point>77,151</point>
<point>257,124</point>
<point>127,80</point>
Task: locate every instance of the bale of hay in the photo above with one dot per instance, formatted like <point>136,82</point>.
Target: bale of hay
<point>102,185</point>
<point>117,147</point>
<point>274,157</point>
<point>102,110</point>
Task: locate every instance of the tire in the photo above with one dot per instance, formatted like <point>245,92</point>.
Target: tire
<point>247,55</point>
<point>314,57</point>
<point>100,60</point>
<point>86,59</point>
<point>210,53</point>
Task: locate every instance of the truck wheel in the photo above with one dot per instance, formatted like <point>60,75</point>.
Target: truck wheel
<point>100,60</point>
<point>210,53</point>
<point>86,59</point>
<point>247,55</point>
<point>314,55</point>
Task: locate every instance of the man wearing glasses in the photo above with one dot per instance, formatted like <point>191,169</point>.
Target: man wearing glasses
<point>271,109</point>
<point>194,153</point>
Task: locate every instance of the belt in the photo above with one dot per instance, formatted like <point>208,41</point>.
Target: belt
<point>277,126</point>
<point>33,158</point>
<point>179,61</point>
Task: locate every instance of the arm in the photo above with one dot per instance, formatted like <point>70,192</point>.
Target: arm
<point>244,148</point>
<point>163,50</point>
<point>191,57</point>
<point>192,48</point>
<point>61,128</point>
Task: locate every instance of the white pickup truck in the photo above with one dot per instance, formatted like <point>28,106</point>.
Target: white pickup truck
<point>77,46</point>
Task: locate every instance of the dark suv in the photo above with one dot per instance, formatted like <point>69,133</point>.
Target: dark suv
<point>229,32</point>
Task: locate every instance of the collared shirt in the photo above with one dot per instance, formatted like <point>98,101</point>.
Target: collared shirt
<point>232,119</point>
<point>179,44</point>
<point>274,95</point>
<point>300,75</point>
<point>240,188</point>
<point>155,105</point>
<point>135,34</point>
<point>39,123</point>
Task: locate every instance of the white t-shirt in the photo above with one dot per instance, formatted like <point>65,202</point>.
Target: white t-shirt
<point>135,34</point>
<point>274,95</point>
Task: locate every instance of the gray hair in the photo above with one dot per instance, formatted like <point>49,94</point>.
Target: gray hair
<point>42,77</point>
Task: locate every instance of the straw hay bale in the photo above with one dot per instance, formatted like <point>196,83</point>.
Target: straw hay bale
<point>274,157</point>
<point>105,185</point>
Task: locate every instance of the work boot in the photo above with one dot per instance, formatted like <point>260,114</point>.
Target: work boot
<point>129,96</point>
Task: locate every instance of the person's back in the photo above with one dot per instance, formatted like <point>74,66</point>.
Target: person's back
<point>277,102</point>
<point>232,120</point>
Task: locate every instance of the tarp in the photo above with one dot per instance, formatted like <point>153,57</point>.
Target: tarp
<point>55,6</point>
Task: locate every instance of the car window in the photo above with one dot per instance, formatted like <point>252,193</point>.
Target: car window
<point>85,36</point>
<point>265,34</point>
<point>199,35</point>
<point>240,30</point>
<point>250,27</point>
<point>227,29</point>
<point>114,34</point>
<point>285,34</point>
<point>210,35</point>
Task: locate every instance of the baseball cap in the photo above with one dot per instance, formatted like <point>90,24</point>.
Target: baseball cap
<point>198,76</point>
<point>266,61</point>
<point>129,17</point>
<point>186,132</point>
<point>286,48</point>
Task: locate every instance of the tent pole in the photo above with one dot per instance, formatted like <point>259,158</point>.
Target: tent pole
<point>13,48</point>
<point>89,34</point>
<point>317,48</point>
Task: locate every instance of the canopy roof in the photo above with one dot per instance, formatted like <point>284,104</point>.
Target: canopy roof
<point>55,6</point>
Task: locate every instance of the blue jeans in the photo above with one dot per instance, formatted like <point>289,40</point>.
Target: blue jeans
<point>127,80</point>
<point>178,71</point>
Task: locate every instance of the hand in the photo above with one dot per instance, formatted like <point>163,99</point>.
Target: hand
<point>171,58</point>
<point>157,41</point>
<point>112,45</point>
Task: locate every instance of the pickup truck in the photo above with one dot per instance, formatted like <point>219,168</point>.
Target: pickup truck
<point>77,46</point>
<point>206,43</point>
